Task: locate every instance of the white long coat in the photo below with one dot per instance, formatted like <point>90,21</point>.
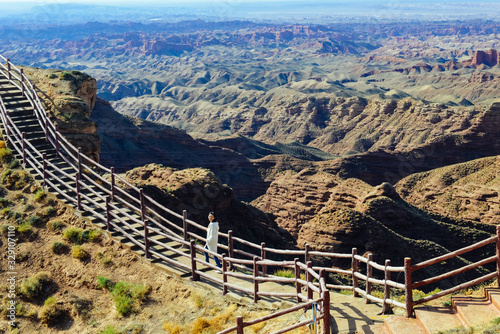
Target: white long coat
<point>212,236</point>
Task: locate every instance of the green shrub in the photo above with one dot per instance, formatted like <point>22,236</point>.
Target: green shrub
<point>109,330</point>
<point>28,207</point>
<point>128,296</point>
<point>25,228</point>
<point>6,212</point>
<point>103,282</point>
<point>39,195</point>
<point>56,225</point>
<point>15,179</point>
<point>5,154</point>
<point>288,273</point>
<point>72,234</point>
<point>51,312</point>
<point>52,76</point>
<point>94,235</point>
<point>65,76</point>
<point>34,220</point>
<point>58,247</point>
<point>36,285</point>
<point>79,253</point>
<point>47,211</point>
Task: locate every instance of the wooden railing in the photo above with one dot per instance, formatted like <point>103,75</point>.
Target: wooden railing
<point>124,207</point>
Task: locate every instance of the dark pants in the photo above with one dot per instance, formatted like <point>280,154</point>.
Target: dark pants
<point>207,259</point>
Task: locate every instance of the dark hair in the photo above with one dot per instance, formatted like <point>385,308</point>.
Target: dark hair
<point>213,214</point>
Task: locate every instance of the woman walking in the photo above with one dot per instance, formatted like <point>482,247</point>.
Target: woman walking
<point>212,238</point>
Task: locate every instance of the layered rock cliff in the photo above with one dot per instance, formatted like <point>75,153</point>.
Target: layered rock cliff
<point>69,97</point>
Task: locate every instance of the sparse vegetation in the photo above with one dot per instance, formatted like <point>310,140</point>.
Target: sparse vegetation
<point>58,247</point>
<point>51,312</point>
<point>36,285</point>
<point>39,195</point>
<point>56,225</point>
<point>79,253</point>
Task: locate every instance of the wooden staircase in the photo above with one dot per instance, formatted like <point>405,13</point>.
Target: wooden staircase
<point>22,115</point>
<point>473,312</point>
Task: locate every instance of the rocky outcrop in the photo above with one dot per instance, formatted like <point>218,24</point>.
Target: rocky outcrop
<point>490,58</point>
<point>467,191</point>
<point>199,191</point>
<point>335,215</point>
<point>69,97</point>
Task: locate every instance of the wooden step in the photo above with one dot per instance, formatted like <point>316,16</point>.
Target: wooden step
<point>475,311</point>
<point>397,324</point>
<point>435,319</point>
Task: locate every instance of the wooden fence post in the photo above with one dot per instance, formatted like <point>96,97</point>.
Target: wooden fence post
<point>194,275</point>
<point>78,195</point>
<point>112,183</point>
<point>387,288</point>
<point>408,288</point>
<point>108,215</point>
<point>8,69</point>
<point>143,204</point>
<point>369,273</point>
<point>354,271</point>
<point>307,248</point>
<point>224,276</point>
<point>498,255</point>
<point>298,286</point>
<point>263,257</point>
<point>230,247</point>
<point>309,278</point>
<point>24,148</point>
<point>255,281</point>
<point>326,312</point>
<point>239,325</point>
<point>185,225</point>
<point>57,137</point>
<point>44,158</point>
<point>22,81</point>
<point>46,130</point>
<point>146,240</point>
<point>80,162</point>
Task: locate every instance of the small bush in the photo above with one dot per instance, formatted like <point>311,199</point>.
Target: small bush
<point>109,330</point>
<point>56,225</point>
<point>79,253</point>
<point>65,76</point>
<point>25,228</point>
<point>39,195</point>
<point>52,76</point>
<point>6,212</point>
<point>34,220</point>
<point>15,179</point>
<point>47,211</point>
<point>94,235</point>
<point>36,285</point>
<point>5,154</point>
<point>128,297</point>
<point>28,207</point>
<point>72,234</point>
<point>287,273</point>
<point>103,282</point>
<point>51,312</point>
<point>58,247</point>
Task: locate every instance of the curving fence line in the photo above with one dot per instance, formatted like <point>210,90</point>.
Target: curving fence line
<point>158,231</point>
